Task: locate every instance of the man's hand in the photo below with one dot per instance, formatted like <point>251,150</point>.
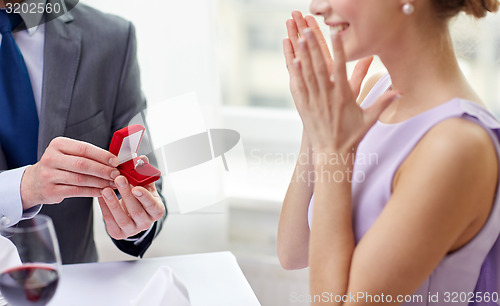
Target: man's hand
<point>68,169</point>
<point>137,210</point>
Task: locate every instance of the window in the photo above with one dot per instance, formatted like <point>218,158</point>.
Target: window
<point>229,52</point>
<point>253,70</point>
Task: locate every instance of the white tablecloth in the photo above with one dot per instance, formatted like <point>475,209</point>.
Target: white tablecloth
<point>211,279</point>
<point>8,255</point>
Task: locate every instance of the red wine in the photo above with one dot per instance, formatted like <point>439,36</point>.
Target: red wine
<point>29,285</point>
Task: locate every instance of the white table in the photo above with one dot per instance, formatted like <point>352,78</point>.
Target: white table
<point>211,279</point>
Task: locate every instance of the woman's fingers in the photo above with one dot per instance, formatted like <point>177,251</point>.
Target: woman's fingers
<point>309,22</point>
<point>296,29</point>
<point>297,86</point>
<point>317,60</point>
<point>293,34</point>
<point>288,52</point>
<point>359,74</point>
<point>339,63</point>
<point>313,24</point>
<point>299,21</point>
<point>372,113</point>
<point>306,67</point>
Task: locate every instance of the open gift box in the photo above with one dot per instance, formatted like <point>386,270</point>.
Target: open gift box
<point>125,144</point>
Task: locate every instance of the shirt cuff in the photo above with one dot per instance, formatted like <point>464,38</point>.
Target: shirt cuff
<point>11,205</point>
<point>138,240</point>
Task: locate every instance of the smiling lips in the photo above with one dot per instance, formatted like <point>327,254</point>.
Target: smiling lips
<point>338,28</point>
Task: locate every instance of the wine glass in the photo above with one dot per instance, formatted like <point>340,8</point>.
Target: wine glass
<point>34,281</point>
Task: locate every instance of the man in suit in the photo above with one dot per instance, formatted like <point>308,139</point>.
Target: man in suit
<point>86,84</point>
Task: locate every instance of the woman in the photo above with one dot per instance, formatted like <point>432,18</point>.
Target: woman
<point>405,185</point>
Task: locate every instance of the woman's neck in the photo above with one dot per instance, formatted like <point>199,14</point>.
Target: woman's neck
<point>424,68</point>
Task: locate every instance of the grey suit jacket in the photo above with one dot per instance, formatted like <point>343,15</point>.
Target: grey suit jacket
<point>91,88</point>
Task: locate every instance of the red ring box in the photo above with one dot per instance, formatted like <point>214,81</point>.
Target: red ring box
<point>125,144</point>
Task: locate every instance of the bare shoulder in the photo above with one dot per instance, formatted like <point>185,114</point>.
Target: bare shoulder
<point>456,146</point>
<point>370,82</point>
<point>459,138</point>
<point>457,164</point>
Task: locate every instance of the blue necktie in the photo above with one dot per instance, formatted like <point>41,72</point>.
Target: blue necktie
<point>18,116</point>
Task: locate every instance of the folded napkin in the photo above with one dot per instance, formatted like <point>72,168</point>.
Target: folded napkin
<point>164,288</point>
<point>9,258</point>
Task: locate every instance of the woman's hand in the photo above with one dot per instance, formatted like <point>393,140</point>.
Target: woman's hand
<point>295,29</point>
<point>325,99</point>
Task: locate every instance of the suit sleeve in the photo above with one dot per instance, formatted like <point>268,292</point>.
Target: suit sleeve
<point>131,103</point>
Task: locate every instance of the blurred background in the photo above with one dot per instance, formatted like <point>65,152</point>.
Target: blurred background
<point>228,53</point>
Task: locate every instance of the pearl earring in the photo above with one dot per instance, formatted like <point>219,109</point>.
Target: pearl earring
<point>408,8</point>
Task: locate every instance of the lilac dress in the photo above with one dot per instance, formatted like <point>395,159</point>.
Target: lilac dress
<point>472,268</point>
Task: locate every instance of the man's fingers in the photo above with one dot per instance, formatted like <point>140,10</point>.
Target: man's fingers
<point>132,204</point>
<point>144,158</point>
<point>151,187</point>
<point>150,203</point>
<point>77,179</point>
<point>81,157</point>
<point>83,149</point>
<point>123,220</point>
<point>83,165</point>
<point>67,191</point>
<point>111,226</point>
<point>135,212</point>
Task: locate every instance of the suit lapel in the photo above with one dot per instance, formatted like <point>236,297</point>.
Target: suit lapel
<point>61,60</point>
